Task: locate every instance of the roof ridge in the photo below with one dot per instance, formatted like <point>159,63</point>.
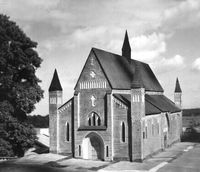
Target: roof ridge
<point>134,60</point>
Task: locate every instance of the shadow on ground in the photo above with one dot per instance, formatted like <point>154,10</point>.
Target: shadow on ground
<point>8,167</point>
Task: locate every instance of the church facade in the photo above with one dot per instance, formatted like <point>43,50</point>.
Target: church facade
<point>118,111</point>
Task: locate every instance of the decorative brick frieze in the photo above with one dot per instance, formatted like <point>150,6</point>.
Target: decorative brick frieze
<point>65,107</point>
<point>93,84</point>
<point>119,103</point>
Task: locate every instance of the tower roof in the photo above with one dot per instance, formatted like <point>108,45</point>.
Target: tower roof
<point>126,48</point>
<point>55,83</point>
<point>177,87</point>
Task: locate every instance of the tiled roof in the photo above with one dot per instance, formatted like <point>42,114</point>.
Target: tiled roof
<point>162,103</point>
<point>149,108</point>
<point>177,88</point>
<point>154,104</point>
<point>55,83</point>
<point>120,70</point>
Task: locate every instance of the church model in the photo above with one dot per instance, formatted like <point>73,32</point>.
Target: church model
<point>118,111</point>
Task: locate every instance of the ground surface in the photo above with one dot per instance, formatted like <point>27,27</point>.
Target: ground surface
<point>182,157</point>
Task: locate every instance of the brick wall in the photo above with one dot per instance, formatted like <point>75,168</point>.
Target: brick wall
<point>65,118</point>
<point>120,115</point>
<point>137,112</point>
<point>152,134</point>
<point>174,128</point>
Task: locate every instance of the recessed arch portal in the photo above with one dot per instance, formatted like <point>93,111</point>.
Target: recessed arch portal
<point>93,147</point>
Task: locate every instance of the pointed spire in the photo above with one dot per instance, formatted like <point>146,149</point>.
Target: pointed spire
<point>177,88</point>
<point>126,48</point>
<point>136,80</point>
<point>55,83</point>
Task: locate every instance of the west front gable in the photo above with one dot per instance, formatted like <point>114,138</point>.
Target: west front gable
<point>92,75</point>
<point>92,87</point>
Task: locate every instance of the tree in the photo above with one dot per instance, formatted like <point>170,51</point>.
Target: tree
<point>19,88</point>
<point>16,136</point>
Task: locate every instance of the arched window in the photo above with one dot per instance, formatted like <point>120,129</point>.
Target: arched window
<point>67,131</point>
<point>89,121</point>
<point>79,150</point>
<point>123,132</point>
<point>98,121</point>
<point>168,123</point>
<point>107,153</point>
<point>94,119</point>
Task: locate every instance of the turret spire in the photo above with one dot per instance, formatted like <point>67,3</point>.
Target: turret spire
<point>55,83</point>
<point>126,48</point>
<point>177,87</point>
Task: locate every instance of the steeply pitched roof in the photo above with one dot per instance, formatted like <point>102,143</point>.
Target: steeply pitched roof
<point>177,87</point>
<point>120,70</point>
<point>55,83</point>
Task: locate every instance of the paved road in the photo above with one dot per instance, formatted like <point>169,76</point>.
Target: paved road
<point>189,161</point>
<point>181,157</point>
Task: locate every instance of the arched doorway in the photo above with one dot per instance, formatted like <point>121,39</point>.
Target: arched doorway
<point>93,147</point>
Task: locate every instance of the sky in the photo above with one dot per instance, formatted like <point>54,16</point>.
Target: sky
<point>164,34</point>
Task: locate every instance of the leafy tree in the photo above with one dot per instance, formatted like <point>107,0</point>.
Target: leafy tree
<point>19,88</point>
<point>16,137</point>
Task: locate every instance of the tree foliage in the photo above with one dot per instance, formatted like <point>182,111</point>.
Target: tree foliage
<point>16,137</point>
<point>38,121</point>
<point>19,88</point>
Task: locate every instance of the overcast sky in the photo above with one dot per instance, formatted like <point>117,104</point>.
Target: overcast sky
<point>165,34</point>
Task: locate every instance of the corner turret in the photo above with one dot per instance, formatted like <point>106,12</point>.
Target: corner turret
<point>55,101</point>
<point>178,94</point>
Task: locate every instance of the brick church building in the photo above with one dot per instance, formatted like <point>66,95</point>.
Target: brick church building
<point>118,111</point>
